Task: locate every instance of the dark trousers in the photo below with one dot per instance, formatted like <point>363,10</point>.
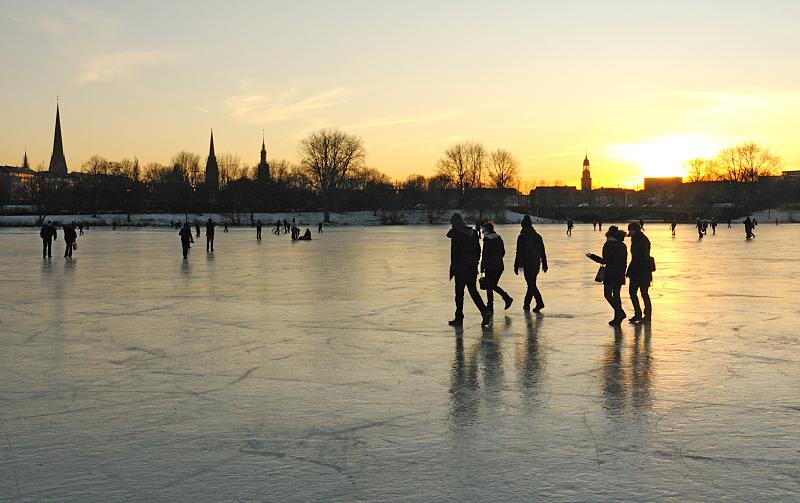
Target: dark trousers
<point>637,310</point>
<point>491,280</point>
<point>185,245</point>
<point>468,281</point>
<point>611,293</point>
<point>47,247</point>
<point>258,233</point>
<point>533,291</point>
<point>209,242</point>
<point>68,251</point>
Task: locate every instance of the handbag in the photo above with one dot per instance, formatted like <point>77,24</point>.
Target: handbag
<point>482,282</point>
<point>74,246</point>
<point>601,274</point>
<point>652,264</point>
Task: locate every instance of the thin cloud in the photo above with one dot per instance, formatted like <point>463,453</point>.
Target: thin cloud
<point>260,109</point>
<point>67,22</point>
<point>395,121</point>
<point>116,65</point>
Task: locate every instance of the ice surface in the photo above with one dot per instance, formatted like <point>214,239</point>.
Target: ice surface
<point>325,371</point>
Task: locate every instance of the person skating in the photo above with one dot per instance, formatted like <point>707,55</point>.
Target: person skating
<point>465,251</point>
<point>615,258</point>
<point>492,266</point>
<point>258,229</point>
<point>48,235</point>
<point>640,272</point>
<point>530,258</point>
<point>673,225</point>
<point>186,239</point>
<point>210,235</point>
<point>748,228</point>
<point>70,236</point>
<point>570,225</point>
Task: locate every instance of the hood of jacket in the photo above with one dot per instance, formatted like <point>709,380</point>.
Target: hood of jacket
<point>460,231</point>
<point>491,235</point>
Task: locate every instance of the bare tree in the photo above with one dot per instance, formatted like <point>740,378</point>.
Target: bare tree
<point>189,164</point>
<point>230,169</point>
<point>503,169</point>
<point>328,157</point>
<point>463,164</point>
<point>747,162</point>
<point>701,170</point>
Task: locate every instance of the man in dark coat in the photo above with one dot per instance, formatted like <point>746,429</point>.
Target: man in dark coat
<point>615,258</point>
<point>465,250</point>
<point>530,257</point>
<point>48,234</point>
<point>186,239</point>
<point>748,228</point>
<point>492,265</point>
<point>70,236</point>
<point>640,272</point>
<point>210,235</point>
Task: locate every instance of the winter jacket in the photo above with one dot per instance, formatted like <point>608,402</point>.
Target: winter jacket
<point>615,258</point>
<point>493,253</point>
<point>186,235</point>
<point>465,251</point>
<point>69,233</point>
<point>530,250</point>
<point>640,269</point>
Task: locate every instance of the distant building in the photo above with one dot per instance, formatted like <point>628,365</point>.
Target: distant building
<point>58,164</point>
<point>262,172</point>
<point>586,178</point>
<point>662,184</point>
<point>614,198</point>
<point>212,170</point>
<point>791,175</point>
<point>559,196</point>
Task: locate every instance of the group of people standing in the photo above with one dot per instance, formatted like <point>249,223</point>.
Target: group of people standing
<point>466,254</point>
<point>467,259</point>
<point>48,233</point>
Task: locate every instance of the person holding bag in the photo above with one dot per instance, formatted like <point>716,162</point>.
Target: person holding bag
<point>614,260</point>
<point>492,266</point>
<point>640,272</point>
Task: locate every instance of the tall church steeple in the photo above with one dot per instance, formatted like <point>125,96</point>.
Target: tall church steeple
<point>58,164</point>
<point>25,164</point>
<point>262,172</point>
<point>586,178</point>
<point>212,170</point>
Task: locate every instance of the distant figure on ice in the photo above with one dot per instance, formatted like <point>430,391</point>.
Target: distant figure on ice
<point>705,226</point>
<point>714,226</point>
<point>186,239</point>
<point>70,236</point>
<point>258,229</point>
<point>197,228</point>
<point>114,225</point>
<point>748,228</point>
<point>277,227</point>
<point>729,223</point>
<point>699,226</point>
<point>492,266</point>
<point>640,272</point>
<point>80,229</point>
<point>224,226</point>
<point>285,226</point>
<point>319,228</point>
<point>615,258</point>
<point>599,225</point>
<point>530,256</point>
<point>295,231</point>
<point>673,225</point>
<point>594,224</point>
<point>210,235</point>
<point>570,225</point>
<point>465,251</point>
<point>48,234</point>
<point>306,236</point>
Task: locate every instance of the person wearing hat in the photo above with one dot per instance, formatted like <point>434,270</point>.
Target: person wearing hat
<point>492,264</point>
<point>530,257</point>
<point>640,272</point>
<point>615,258</point>
<point>465,251</point>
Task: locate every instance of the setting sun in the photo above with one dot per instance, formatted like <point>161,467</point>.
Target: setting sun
<point>666,155</point>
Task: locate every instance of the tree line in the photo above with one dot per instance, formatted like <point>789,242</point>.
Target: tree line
<point>743,163</point>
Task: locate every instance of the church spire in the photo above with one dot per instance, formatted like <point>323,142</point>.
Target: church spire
<point>58,164</point>
<point>212,170</point>
<point>25,164</point>
<point>262,171</point>
<point>211,149</point>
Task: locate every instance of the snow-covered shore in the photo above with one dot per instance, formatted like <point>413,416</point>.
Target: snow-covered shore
<point>410,217</point>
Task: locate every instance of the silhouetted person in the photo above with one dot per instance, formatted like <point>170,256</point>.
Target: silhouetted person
<point>258,230</point>
<point>714,226</point>
<point>570,225</point>
<point>48,234</point>
<point>755,223</point>
<point>70,236</point>
<point>673,225</point>
<point>615,258</point>
<point>492,265</point>
<point>114,225</point>
<point>210,235</point>
<point>306,236</point>
<point>594,225</point>
<point>729,223</point>
<point>705,226</point>
<point>599,225</point>
<point>748,228</point>
<point>640,272</point>
<point>186,239</point>
<point>530,257</point>
<point>197,228</point>
<point>465,251</point>
<point>295,231</point>
<point>319,228</point>
<point>277,228</point>
<point>285,226</point>
<point>224,226</point>
<point>80,229</point>
<point>699,226</point>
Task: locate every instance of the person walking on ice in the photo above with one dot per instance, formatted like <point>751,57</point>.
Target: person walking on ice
<point>614,260</point>
<point>186,239</point>
<point>640,272</point>
<point>48,235</point>
<point>530,258</point>
<point>465,251</point>
<point>492,266</point>
<point>210,235</point>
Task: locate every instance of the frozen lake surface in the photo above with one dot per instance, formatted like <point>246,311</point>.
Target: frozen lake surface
<point>325,371</point>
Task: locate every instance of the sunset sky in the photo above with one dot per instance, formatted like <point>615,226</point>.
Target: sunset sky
<point>643,86</point>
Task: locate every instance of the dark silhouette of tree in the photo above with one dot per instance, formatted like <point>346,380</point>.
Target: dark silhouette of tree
<point>701,170</point>
<point>463,164</point>
<point>746,162</point>
<point>503,169</point>
<point>328,157</point>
